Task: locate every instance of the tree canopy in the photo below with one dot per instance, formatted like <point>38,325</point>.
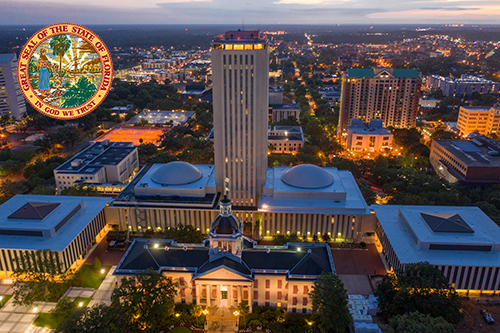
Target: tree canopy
<point>81,190</point>
<point>146,300</point>
<point>329,301</point>
<point>99,318</point>
<point>38,276</point>
<point>416,322</point>
<point>418,287</point>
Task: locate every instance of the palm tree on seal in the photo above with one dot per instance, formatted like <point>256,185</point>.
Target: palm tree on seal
<point>60,44</point>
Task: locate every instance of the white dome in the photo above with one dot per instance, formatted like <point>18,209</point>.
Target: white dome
<point>176,173</point>
<point>307,176</point>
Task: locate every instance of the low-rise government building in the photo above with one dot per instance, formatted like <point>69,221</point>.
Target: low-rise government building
<point>68,226</point>
<point>102,162</point>
<point>469,161</point>
<point>462,242</point>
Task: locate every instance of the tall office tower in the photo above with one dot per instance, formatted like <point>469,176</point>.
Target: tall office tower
<point>11,98</point>
<point>240,72</point>
<point>385,93</point>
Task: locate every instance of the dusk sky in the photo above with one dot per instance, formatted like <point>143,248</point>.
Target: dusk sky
<point>252,11</point>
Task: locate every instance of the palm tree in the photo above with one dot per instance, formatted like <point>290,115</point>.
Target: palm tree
<point>60,44</point>
<point>196,311</point>
<point>244,309</point>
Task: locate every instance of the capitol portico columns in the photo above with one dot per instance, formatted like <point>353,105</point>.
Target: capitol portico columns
<point>218,295</point>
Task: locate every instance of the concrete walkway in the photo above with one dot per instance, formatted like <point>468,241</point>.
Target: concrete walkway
<point>221,319</point>
<point>103,294</point>
<point>6,289</point>
<point>18,319</point>
<point>74,292</point>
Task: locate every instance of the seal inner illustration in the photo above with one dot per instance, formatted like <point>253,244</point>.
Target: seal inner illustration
<point>65,71</point>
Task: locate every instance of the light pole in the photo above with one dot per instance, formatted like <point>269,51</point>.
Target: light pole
<point>206,312</point>
<point>236,313</point>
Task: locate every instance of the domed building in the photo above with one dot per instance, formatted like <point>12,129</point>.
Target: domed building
<point>304,199</point>
<point>229,268</point>
<point>176,173</point>
<point>310,200</point>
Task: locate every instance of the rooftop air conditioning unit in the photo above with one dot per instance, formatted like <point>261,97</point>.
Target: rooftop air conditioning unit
<point>76,162</point>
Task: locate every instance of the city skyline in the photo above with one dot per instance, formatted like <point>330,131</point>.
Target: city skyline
<point>255,12</point>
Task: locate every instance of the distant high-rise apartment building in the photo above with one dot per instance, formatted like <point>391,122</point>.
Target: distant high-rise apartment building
<point>383,93</point>
<point>240,71</point>
<point>480,119</point>
<point>463,87</point>
<point>11,98</point>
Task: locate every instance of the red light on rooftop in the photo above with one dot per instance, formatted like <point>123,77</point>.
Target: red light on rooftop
<point>239,38</point>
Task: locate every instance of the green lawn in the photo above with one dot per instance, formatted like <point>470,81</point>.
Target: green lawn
<point>87,278</point>
<point>5,299</point>
<point>180,329</point>
<point>84,300</point>
<point>45,320</point>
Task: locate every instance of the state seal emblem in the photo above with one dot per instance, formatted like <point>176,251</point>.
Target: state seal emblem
<point>65,71</point>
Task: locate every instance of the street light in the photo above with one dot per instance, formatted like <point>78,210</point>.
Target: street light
<point>1,301</point>
<point>206,312</point>
<point>102,271</point>
<point>236,313</point>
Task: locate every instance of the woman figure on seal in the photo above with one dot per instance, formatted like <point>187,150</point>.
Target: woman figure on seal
<point>44,76</point>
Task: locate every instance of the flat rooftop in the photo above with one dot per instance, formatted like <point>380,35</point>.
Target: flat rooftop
<point>133,134</point>
<point>476,108</point>
<point>369,130</point>
<point>6,58</point>
<point>95,157</point>
<point>402,235</point>
<point>291,106</point>
<point>127,197</point>
<point>343,183</point>
<point>163,117</point>
<point>289,137</point>
<point>61,219</point>
<point>464,79</point>
<point>472,154</point>
<point>208,178</point>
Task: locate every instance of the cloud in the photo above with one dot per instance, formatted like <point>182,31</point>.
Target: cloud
<point>455,9</point>
<point>257,11</point>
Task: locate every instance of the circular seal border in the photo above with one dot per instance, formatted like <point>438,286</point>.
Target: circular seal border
<point>65,29</point>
